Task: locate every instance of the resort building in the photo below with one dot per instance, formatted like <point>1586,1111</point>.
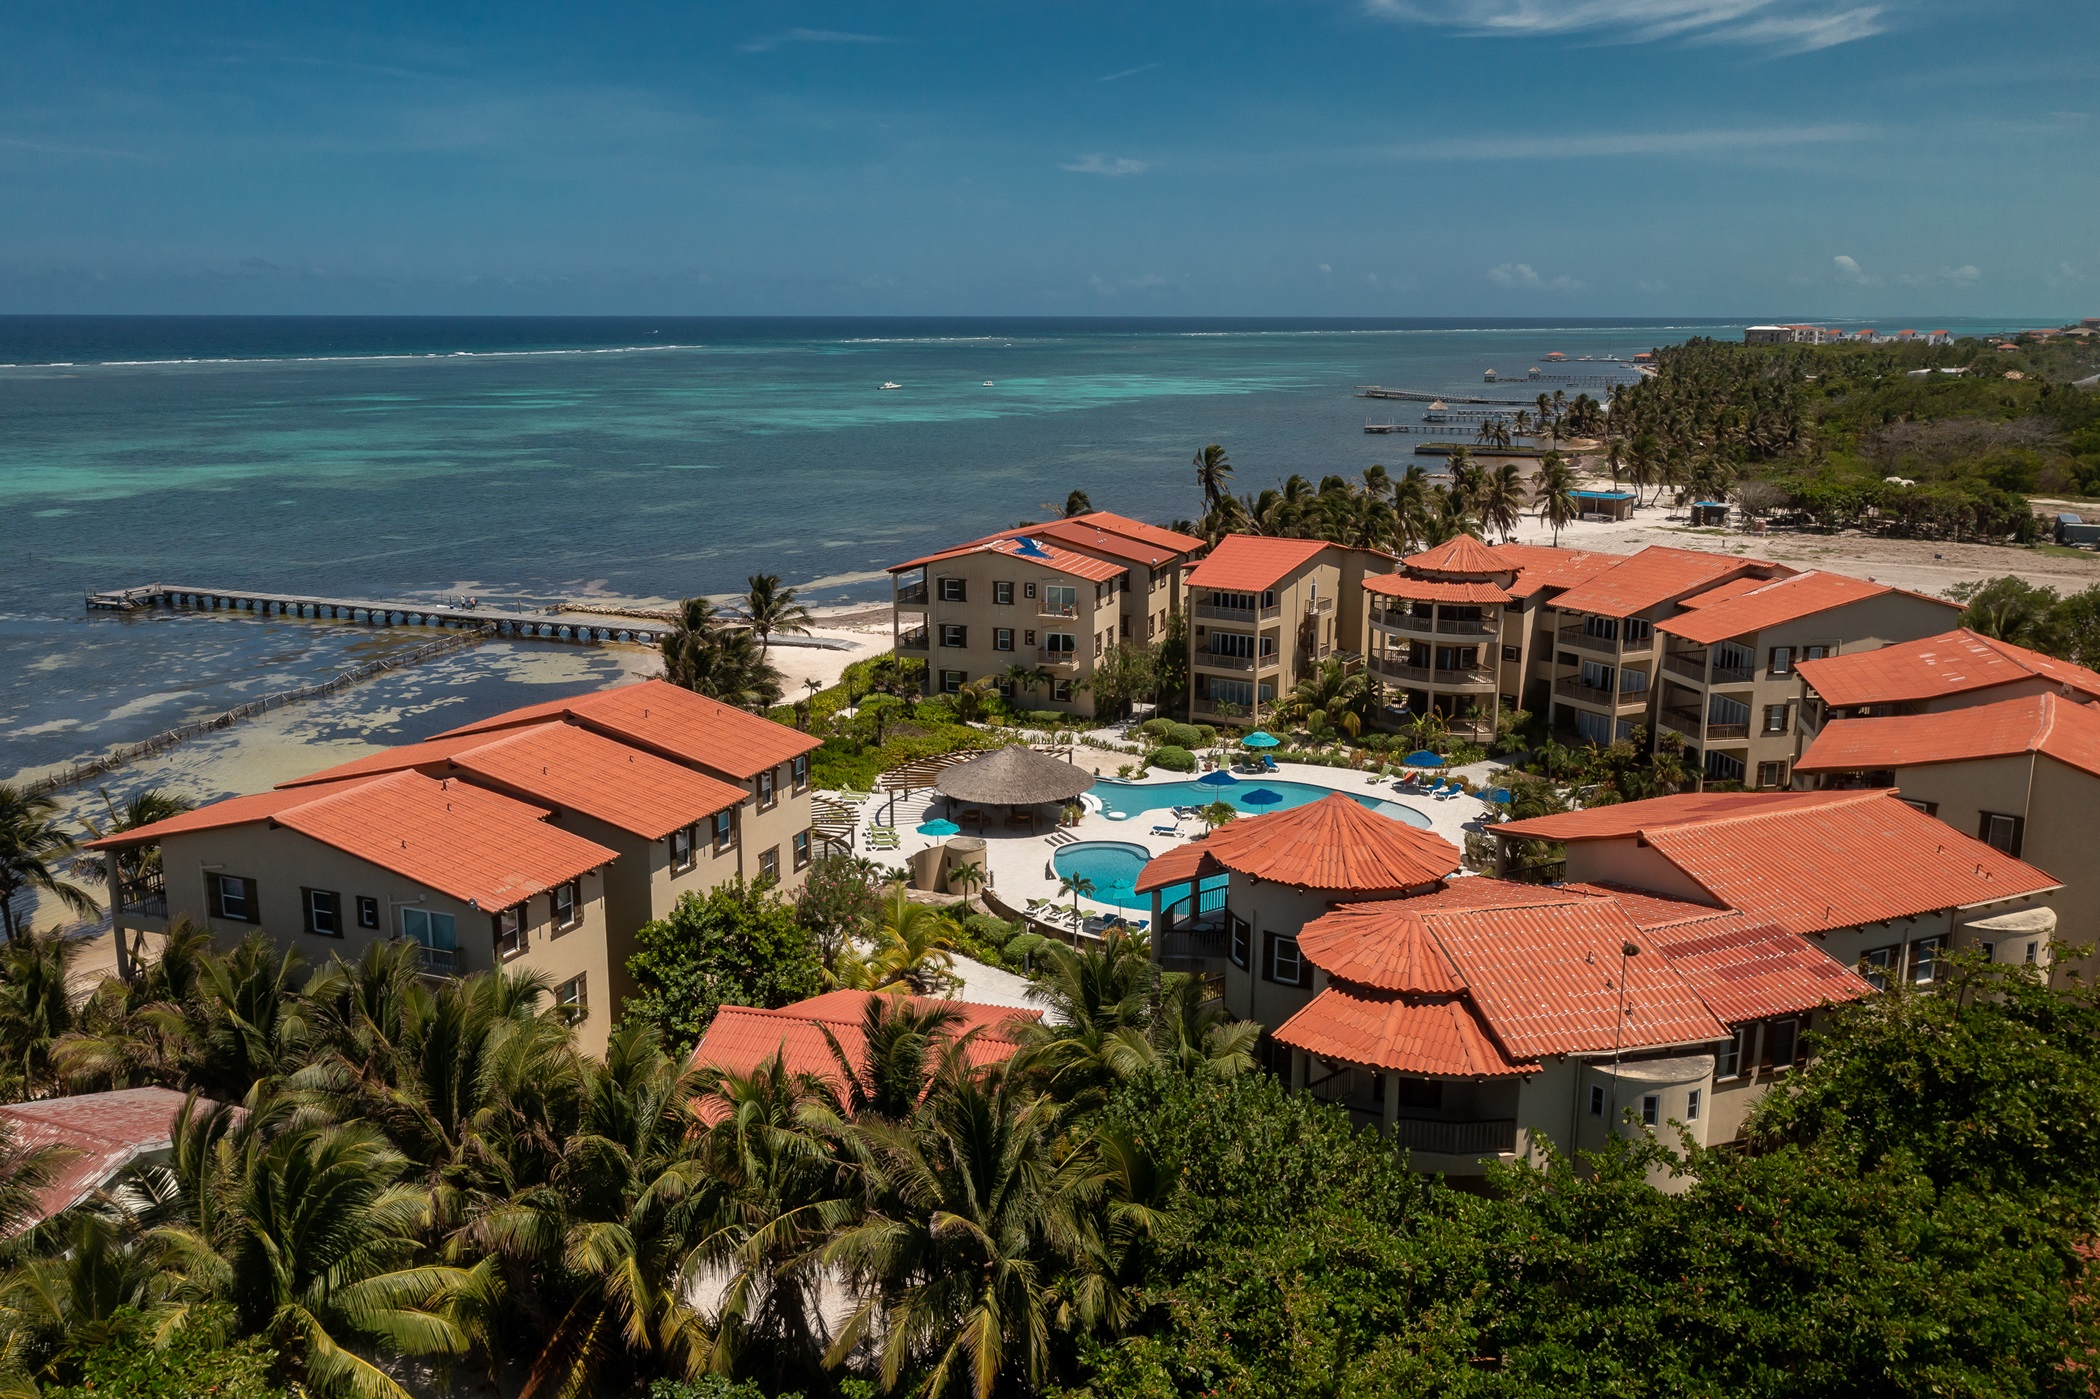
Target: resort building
<point>1872,881</point>
<point>560,829</point>
<point>1049,599</point>
<point>1729,680</point>
<point>1949,670</point>
<point>1265,612</point>
<point>1474,1018</point>
<point>2021,775</point>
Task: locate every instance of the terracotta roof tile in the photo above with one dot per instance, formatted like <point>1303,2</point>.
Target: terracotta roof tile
<point>1462,554</point>
<point>1734,587</point>
<point>1029,544</point>
<point>1249,563</point>
<point>1807,861</point>
<point>454,837</point>
<point>1138,529</point>
<point>432,753</point>
<point>1333,843</point>
<point>1781,600</point>
<point>1955,662</point>
<point>233,811</point>
<point>1381,946</point>
<point>1753,972</point>
<point>100,1134</point>
<point>1176,866</point>
<point>625,787</point>
<point>1653,576</point>
<point>1399,585</point>
<point>1118,536</point>
<point>1405,1034</point>
<point>1541,567</point>
<point>2044,723</point>
<point>674,722</point>
<point>1650,911</point>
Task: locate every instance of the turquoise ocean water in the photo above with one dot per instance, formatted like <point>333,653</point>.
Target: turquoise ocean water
<point>526,461</point>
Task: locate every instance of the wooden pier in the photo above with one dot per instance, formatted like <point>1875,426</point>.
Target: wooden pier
<point>378,613</point>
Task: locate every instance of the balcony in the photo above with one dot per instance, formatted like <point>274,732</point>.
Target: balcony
<point>1403,621</point>
<point>1588,694</point>
<point>1317,605</point>
<point>1601,645</point>
<point>1496,1136</point>
<point>1733,674</point>
<point>441,961</point>
<point>1049,609</point>
<point>1444,677</point>
<point>1218,660</point>
<point>1057,660</point>
<point>1219,709</point>
<point>1210,611</point>
<point>913,640</point>
<point>1460,626</point>
<point>912,595</point>
<point>1717,732</point>
<point>1690,665</point>
<point>1684,721</point>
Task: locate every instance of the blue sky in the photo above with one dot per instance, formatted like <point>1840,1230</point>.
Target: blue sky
<point>1819,158</point>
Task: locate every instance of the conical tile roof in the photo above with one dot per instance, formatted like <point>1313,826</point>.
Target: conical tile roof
<point>1462,555</point>
<point>1380,946</point>
<point>1334,843</point>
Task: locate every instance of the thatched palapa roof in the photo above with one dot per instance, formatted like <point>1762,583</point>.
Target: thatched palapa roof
<point>1013,777</point>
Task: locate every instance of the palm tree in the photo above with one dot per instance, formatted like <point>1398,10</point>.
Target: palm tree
<point>32,847</point>
<point>1501,499</point>
<point>969,877</point>
<point>1340,698</point>
<point>1213,475</point>
<point>1075,885</point>
<point>1411,506</point>
<point>911,947</point>
<point>770,610</point>
<point>1077,504</point>
<point>722,662</point>
<point>1554,494</point>
<point>138,866</point>
<point>36,1004</point>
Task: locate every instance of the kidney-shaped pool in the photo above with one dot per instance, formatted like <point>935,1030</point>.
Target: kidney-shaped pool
<point>1130,798</point>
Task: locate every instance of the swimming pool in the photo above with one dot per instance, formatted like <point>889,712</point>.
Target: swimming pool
<point>1129,798</point>
<point>1112,868</point>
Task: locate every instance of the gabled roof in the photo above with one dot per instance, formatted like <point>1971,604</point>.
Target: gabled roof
<point>1031,545</point>
<point>1251,562</point>
<point>1383,1029</point>
<point>1786,599</point>
<point>1955,662</point>
<point>1461,554</point>
<point>1399,585</point>
<point>1650,578</point>
<point>2044,723</point>
<point>1807,861</point>
<point>459,839</point>
<point>1121,536</point>
<point>674,722</point>
<point>1541,566</point>
<point>1750,972</point>
<point>100,1135</point>
<point>1334,843</point>
<point>1734,587</point>
<point>233,811</point>
<point>433,753</point>
<point>624,787</point>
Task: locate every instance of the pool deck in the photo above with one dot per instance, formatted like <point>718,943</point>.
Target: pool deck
<point>1019,863</point>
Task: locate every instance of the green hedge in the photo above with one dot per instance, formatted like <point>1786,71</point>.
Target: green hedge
<point>1173,759</point>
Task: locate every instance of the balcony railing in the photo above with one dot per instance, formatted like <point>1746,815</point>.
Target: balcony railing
<point>1683,721</point>
<point>1715,732</point>
<point>1211,611</point>
<point>910,594</point>
<point>1601,645</point>
<point>1733,675</point>
<point>1494,1137</point>
<point>1691,667</point>
<point>440,961</point>
<point>1591,694</point>
<point>1402,621</point>
<point>1054,610</point>
<point>1318,604</point>
<point>1061,660</point>
<point>1218,660</point>
<point>913,640</point>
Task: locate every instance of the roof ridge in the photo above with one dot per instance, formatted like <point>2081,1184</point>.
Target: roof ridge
<point>1764,809</point>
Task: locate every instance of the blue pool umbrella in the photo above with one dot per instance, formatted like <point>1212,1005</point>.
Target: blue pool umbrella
<point>1261,796</point>
<point>1495,794</point>
<point>1423,758</point>
<point>1258,740</point>
<point>1218,778</point>
<point>940,828</point>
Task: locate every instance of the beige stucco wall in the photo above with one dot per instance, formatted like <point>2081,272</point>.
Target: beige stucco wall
<point>1095,627</point>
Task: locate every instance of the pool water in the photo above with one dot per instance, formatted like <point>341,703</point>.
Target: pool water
<point>1112,868</point>
<point>1130,798</point>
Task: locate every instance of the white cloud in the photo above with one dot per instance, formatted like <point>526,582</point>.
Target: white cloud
<point>1965,275</point>
<point>1127,73</point>
<point>1654,288</point>
<point>1325,267</point>
<point>1521,275</point>
<point>1848,269</point>
<point>766,43</point>
<point>1606,144</point>
<point>1790,26</point>
<point>1106,165</point>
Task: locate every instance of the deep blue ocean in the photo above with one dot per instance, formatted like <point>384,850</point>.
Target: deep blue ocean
<point>527,460</point>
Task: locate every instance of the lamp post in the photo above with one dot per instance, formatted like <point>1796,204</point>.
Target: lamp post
<point>1627,951</point>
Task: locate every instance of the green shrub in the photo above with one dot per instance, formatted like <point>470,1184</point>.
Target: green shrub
<point>712,1387</point>
<point>1173,759</point>
<point>938,710</point>
<point>738,944</point>
<point>1043,719</point>
<point>1155,728</point>
<point>1206,735</point>
<point>1183,736</point>
<point>193,1362</point>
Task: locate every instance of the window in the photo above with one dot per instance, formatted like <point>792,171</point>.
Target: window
<point>954,634</point>
<point>952,681</point>
<point>1651,1109</point>
<point>509,929</point>
<point>1028,590</point>
<point>1597,676</point>
<point>802,850</point>
<point>1814,653</point>
<point>1723,712</point>
<point>1639,631</point>
<point>1874,965</point>
<point>1060,601</point>
<point>1782,662</point>
<point>769,863</point>
<point>1286,966</point>
<point>572,997</point>
<point>1733,661</point>
<point>1925,960</point>
<point>1601,628</point>
<point>1691,1106</point>
<point>2031,951</point>
<point>1989,950</point>
<point>324,912</point>
<point>1596,1100</point>
<point>367,911</point>
<point>566,903</point>
<point>1771,774</point>
<point>1061,643</point>
<point>725,830</point>
<point>2002,833</point>
<point>1633,682</point>
<point>1775,718</point>
<point>436,934</point>
<point>1061,690</point>
<point>683,856</point>
<point>1003,594</point>
<point>768,792</point>
<point>1723,767</point>
<point>950,590</point>
<point>1734,1052</point>
<point>1510,653</point>
<point>1782,1043</point>
<point>1238,933</point>
<point>1002,638</point>
<point>798,772</point>
<point>1929,808</point>
<point>234,898</point>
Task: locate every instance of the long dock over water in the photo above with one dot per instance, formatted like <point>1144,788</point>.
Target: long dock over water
<point>377,612</point>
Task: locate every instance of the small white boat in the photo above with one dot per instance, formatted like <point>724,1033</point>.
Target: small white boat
<point>988,383</point>
<point>891,384</point>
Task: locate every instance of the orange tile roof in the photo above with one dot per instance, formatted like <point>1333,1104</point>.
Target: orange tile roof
<point>1405,1034</point>
<point>1734,587</point>
<point>233,811</point>
<point>1955,662</point>
<point>454,837</point>
<point>433,753</point>
<point>1175,866</point>
<point>675,722</point>
<point>1138,529</point>
<point>624,787</point>
<point>2044,723</point>
<point>1251,562</point>
<point>1121,536</point>
<point>1381,946</point>
<point>1652,577</point>
<point>1781,600</point>
<point>1745,972</point>
<point>1027,544</point>
<point>740,1038</point>
<point>1650,911</point>
<point>1461,554</point>
<point>1333,843</point>
<point>1541,566</point>
<point>1807,861</point>
<point>98,1136</point>
<point>1433,590</point>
